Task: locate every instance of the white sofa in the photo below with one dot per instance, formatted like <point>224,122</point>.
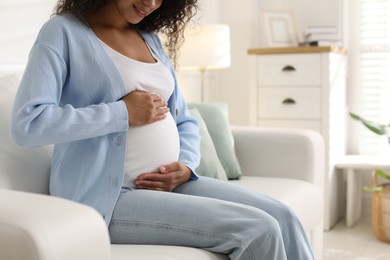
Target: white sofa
<point>285,164</point>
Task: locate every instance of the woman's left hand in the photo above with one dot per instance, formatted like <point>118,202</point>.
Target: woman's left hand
<point>167,179</point>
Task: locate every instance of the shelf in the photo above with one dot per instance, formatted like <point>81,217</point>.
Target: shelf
<point>291,50</point>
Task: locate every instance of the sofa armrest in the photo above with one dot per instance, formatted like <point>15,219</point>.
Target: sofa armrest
<point>41,227</point>
<point>277,152</point>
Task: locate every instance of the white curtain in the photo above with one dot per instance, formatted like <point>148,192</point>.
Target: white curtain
<point>370,48</point>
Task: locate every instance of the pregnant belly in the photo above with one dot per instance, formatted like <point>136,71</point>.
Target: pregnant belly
<point>149,147</point>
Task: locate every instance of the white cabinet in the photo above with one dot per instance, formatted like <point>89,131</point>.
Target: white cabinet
<point>304,88</point>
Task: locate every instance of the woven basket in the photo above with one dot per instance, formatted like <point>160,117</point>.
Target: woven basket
<point>381,210</point>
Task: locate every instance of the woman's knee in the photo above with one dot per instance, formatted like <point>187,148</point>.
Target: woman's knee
<point>263,239</point>
<point>284,213</point>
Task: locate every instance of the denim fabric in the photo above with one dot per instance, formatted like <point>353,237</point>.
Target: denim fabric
<point>215,215</point>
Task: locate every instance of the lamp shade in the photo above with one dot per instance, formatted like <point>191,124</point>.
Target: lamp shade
<point>206,47</point>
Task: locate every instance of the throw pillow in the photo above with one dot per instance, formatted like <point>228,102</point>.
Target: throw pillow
<point>215,115</point>
<point>210,165</point>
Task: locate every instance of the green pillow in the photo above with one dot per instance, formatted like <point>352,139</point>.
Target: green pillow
<point>215,115</point>
<point>210,165</point>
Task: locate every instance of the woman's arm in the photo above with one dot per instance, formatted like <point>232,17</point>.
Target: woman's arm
<point>188,129</point>
<point>38,116</point>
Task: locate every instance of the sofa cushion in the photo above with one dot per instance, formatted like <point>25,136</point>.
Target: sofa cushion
<point>210,165</point>
<point>215,115</point>
<point>147,252</point>
<point>304,198</point>
<point>20,168</point>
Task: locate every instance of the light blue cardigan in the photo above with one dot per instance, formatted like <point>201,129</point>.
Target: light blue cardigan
<point>70,96</point>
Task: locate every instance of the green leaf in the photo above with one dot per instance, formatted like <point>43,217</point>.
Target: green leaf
<point>354,116</point>
<point>374,127</point>
<point>373,189</point>
<point>382,174</point>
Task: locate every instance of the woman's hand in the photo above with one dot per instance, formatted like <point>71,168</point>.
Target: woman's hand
<point>144,107</point>
<point>167,179</point>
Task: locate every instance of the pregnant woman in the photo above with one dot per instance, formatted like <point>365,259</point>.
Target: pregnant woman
<point>99,86</point>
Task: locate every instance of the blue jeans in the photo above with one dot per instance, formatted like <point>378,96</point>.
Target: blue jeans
<point>215,215</point>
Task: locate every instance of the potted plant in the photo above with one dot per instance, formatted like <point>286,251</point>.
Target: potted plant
<point>378,129</point>
<point>380,192</point>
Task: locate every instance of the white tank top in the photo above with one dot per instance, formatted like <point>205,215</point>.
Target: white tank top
<point>151,146</point>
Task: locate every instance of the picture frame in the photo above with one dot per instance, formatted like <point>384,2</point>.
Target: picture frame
<point>279,29</point>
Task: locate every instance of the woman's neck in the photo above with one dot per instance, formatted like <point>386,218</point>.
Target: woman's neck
<point>107,17</point>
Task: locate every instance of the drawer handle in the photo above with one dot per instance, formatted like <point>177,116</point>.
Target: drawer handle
<point>288,68</point>
<point>289,101</point>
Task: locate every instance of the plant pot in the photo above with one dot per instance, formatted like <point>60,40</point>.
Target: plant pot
<point>381,211</point>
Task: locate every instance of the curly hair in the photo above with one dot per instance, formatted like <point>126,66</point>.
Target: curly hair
<point>170,18</point>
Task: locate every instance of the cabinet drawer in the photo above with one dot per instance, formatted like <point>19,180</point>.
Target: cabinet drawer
<point>289,103</point>
<point>304,124</point>
<point>289,70</point>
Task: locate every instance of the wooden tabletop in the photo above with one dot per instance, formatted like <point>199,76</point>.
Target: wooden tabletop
<point>291,50</point>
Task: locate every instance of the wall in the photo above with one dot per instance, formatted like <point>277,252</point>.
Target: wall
<point>20,21</point>
<point>227,85</point>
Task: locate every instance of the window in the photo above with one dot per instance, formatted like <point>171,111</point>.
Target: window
<point>372,71</point>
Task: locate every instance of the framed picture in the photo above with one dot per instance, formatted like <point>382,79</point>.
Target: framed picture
<point>279,29</point>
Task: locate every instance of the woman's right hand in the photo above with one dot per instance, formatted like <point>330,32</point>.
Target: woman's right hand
<point>145,107</point>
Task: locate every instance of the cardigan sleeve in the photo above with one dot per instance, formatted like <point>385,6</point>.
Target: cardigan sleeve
<point>189,136</point>
<point>38,117</point>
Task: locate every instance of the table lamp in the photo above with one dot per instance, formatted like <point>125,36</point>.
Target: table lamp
<point>206,47</point>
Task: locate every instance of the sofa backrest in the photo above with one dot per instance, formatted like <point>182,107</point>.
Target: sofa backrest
<point>24,169</point>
